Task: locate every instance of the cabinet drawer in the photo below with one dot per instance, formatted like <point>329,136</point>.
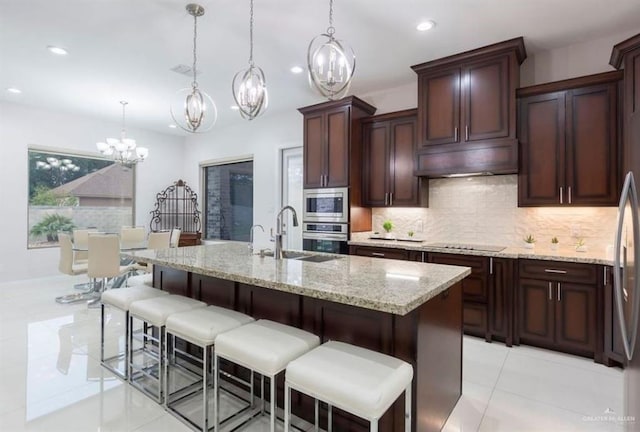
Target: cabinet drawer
<point>377,252</point>
<point>474,317</point>
<point>558,271</point>
<point>474,286</point>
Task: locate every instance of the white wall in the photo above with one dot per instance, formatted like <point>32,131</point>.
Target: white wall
<point>21,127</point>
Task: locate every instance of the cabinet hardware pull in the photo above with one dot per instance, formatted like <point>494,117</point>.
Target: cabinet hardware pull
<point>455,134</point>
<point>604,275</point>
<point>326,179</point>
<point>491,265</point>
<point>561,195</point>
<point>555,271</point>
<point>569,194</point>
<point>423,257</point>
<point>377,254</point>
<point>466,133</point>
<point>550,290</point>
<point>321,180</point>
<point>390,198</point>
<point>386,198</point>
<point>559,291</point>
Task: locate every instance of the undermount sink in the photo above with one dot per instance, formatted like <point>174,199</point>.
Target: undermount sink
<point>303,256</point>
<point>318,258</point>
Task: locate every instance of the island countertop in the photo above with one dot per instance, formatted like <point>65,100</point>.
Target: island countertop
<point>392,286</point>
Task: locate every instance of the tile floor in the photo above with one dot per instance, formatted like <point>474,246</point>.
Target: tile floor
<point>51,379</point>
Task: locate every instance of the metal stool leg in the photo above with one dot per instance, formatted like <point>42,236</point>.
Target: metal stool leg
<point>287,407</point>
<point>407,408</point>
<point>272,382</point>
<point>329,418</point>
<point>317,420</point>
<point>205,389</point>
<point>216,392</point>
<point>374,425</point>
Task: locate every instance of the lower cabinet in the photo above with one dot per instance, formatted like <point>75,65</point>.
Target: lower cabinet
<point>379,252</point>
<point>613,345</point>
<point>558,306</point>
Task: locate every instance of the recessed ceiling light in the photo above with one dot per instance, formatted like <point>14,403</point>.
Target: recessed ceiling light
<point>296,69</point>
<point>235,107</point>
<point>172,126</point>
<point>14,90</point>
<point>57,50</point>
<point>425,25</point>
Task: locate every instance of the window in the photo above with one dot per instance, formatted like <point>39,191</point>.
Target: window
<point>68,191</point>
<point>228,212</point>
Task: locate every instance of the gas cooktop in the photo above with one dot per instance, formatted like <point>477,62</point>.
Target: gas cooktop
<point>471,247</point>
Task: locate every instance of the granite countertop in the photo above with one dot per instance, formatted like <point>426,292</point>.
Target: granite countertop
<point>539,253</point>
<point>390,286</point>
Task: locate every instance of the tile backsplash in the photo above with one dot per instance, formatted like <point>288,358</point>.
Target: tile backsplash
<point>485,210</point>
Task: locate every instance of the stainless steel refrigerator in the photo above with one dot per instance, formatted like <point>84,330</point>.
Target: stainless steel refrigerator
<point>627,296</point>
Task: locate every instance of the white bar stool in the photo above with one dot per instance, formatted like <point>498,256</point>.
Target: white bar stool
<point>265,347</point>
<point>362,382</point>
<point>200,327</point>
<point>121,299</point>
<point>154,313</point>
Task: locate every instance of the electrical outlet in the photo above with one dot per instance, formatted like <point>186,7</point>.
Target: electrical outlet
<point>575,230</point>
<point>419,226</point>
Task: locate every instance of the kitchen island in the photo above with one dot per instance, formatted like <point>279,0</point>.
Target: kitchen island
<point>410,310</point>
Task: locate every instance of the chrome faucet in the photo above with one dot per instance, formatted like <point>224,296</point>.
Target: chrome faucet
<point>251,236</point>
<point>280,230</point>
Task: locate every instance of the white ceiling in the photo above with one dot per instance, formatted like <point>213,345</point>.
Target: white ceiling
<point>123,49</point>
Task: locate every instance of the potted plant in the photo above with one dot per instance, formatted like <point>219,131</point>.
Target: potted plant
<point>529,241</point>
<point>581,245</point>
<point>410,233</point>
<point>387,226</point>
<point>555,244</point>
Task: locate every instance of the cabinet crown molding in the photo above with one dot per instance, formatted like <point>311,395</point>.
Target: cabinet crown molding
<point>349,100</point>
<point>620,49</point>
<point>585,81</point>
<point>516,44</point>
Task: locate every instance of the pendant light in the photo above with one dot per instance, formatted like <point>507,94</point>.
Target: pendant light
<point>330,62</point>
<point>123,150</point>
<point>249,85</point>
<point>193,110</point>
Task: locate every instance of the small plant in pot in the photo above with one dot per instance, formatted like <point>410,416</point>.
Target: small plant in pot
<point>581,246</point>
<point>529,241</point>
<point>387,226</point>
<point>555,244</point>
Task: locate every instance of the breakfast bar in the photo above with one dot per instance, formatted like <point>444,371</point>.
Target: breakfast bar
<point>409,310</point>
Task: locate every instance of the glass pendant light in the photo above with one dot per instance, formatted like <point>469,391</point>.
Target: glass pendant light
<point>193,110</point>
<point>330,62</point>
<point>122,150</point>
<point>249,85</point>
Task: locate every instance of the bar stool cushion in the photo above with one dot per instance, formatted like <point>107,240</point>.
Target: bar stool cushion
<point>357,380</point>
<point>265,346</point>
<point>143,279</point>
<point>202,326</point>
<point>123,297</point>
<point>156,310</point>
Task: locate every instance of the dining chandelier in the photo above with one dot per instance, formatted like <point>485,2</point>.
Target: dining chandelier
<point>193,110</point>
<point>330,63</point>
<point>123,150</point>
<point>249,85</point>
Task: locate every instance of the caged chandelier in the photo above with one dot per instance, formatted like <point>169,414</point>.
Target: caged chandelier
<point>123,150</point>
<point>331,63</point>
<point>249,85</point>
<point>192,109</point>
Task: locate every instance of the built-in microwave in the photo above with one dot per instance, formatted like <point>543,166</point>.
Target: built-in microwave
<point>326,205</point>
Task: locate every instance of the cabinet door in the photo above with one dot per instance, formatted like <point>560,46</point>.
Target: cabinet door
<point>376,164</point>
<point>439,107</point>
<point>378,252</point>
<point>314,150</point>
<point>631,153</point>
<point>474,318</point>
<point>542,141</point>
<point>501,298</point>
<point>536,312</point>
<point>613,344</point>
<point>592,146</point>
<point>404,185</point>
<point>576,317</point>
<point>337,147</point>
<point>485,100</point>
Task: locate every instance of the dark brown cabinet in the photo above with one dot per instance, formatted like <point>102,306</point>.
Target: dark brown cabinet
<point>332,143</point>
<point>388,161</point>
<point>467,111</point>
<point>613,345</point>
<point>568,134</point>
<point>558,307</point>
<point>486,293</point>
<point>379,252</point>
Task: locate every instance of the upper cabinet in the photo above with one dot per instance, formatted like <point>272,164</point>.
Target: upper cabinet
<point>568,133</point>
<point>332,143</point>
<point>467,111</point>
<point>626,55</point>
<point>389,145</point>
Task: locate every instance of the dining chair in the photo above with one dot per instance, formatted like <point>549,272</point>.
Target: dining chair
<point>81,241</point>
<point>66,263</point>
<point>104,260</point>
<point>132,235</point>
<point>175,237</point>
<point>157,240</point>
